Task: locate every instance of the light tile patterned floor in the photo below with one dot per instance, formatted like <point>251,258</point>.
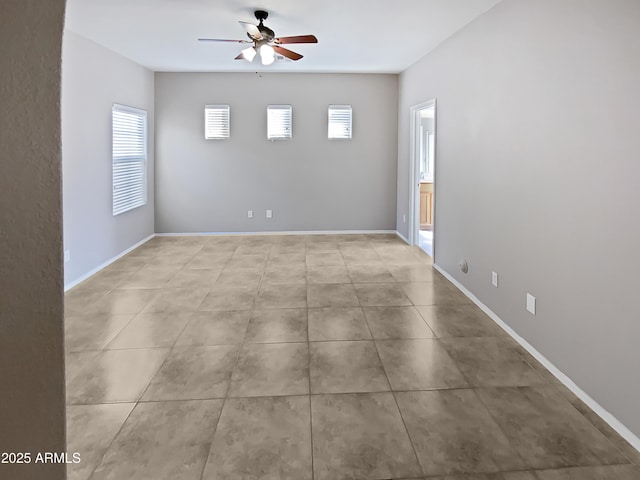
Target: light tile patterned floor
<point>321,357</point>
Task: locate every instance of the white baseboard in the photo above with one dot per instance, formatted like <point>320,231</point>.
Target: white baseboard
<point>403,238</point>
<point>294,232</point>
<point>75,282</point>
<point>613,422</point>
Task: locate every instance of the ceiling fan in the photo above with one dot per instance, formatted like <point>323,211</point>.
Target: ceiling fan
<point>265,42</point>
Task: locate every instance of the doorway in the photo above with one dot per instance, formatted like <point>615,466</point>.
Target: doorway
<point>422,190</point>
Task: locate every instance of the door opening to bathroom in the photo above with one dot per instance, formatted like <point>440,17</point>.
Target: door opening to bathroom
<point>423,179</point>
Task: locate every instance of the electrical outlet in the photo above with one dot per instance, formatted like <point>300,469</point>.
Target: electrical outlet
<point>494,279</point>
<point>67,255</point>
<point>269,213</point>
<point>404,218</point>
<point>531,304</point>
<point>250,214</point>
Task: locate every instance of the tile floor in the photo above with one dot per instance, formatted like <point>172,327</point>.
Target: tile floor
<point>425,241</point>
<point>310,357</point>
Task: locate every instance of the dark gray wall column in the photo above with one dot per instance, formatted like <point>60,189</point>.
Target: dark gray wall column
<point>32,395</point>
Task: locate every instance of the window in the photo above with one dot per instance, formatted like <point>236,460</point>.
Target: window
<point>216,122</point>
<point>339,121</point>
<point>129,136</point>
<point>279,122</point>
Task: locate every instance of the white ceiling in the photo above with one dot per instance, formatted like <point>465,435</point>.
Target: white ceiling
<point>372,36</point>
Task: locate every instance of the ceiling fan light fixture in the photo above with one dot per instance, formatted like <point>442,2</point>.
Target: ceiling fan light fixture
<point>249,53</point>
<point>267,54</point>
<point>264,42</point>
<point>267,50</point>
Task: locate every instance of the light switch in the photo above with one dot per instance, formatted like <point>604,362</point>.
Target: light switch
<point>531,304</point>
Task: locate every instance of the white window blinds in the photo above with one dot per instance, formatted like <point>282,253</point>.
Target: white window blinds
<point>129,142</point>
<point>278,122</point>
<point>339,121</point>
<point>216,122</point>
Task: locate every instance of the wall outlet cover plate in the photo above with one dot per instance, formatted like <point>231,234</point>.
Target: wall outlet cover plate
<point>531,304</point>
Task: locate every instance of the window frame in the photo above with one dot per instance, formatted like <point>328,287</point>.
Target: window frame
<point>290,126</point>
<point>118,160</point>
<point>220,108</point>
<point>337,125</point>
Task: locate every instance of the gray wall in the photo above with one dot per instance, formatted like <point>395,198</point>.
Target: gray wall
<point>32,403</point>
<point>93,78</point>
<point>537,178</point>
<point>310,182</point>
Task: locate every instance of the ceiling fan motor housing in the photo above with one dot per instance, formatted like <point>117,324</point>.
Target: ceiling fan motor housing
<point>266,32</point>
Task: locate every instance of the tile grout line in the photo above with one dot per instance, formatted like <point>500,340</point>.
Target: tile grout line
<point>171,348</point>
<point>319,394</point>
<point>393,393</point>
<point>404,423</point>
<point>108,447</point>
<point>139,400</point>
<point>395,400</point>
<point>226,395</point>
<point>492,416</point>
<point>614,445</point>
<point>309,396</point>
<point>135,402</point>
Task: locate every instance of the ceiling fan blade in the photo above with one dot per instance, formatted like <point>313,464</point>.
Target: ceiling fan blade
<point>287,53</point>
<point>297,39</point>
<point>252,30</point>
<point>222,40</point>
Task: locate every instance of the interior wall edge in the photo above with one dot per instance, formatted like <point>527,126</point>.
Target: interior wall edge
<point>602,412</point>
<point>402,237</point>
<point>68,286</point>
